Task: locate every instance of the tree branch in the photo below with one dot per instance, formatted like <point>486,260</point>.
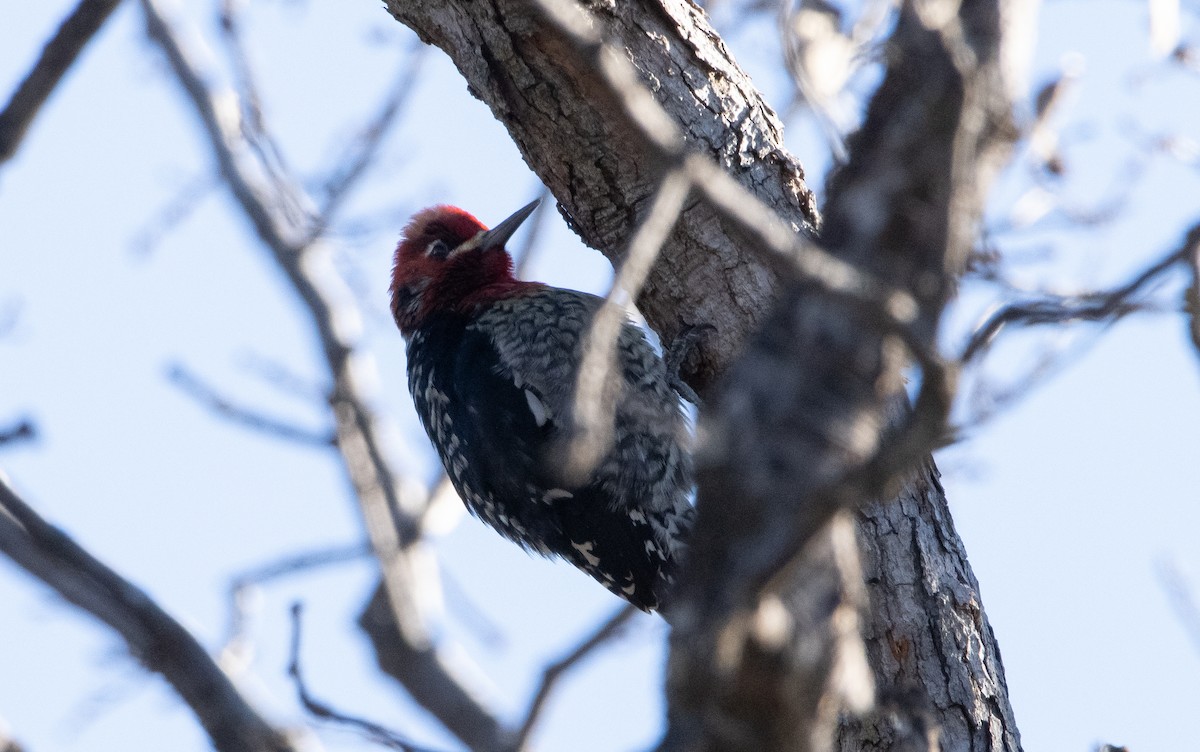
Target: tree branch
<point>607,630</point>
<point>596,387</point>
<point>376,732</point>
<point>24,430</point>
<point>807,423</point>
<point>813,432</point>
<point>159,642</point>
<point>1093,306</point>
<point>282,216</point>
<point>208,397</point>
<point>57,57</point>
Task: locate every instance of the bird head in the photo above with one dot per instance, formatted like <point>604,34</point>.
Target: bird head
<point>448,261</point>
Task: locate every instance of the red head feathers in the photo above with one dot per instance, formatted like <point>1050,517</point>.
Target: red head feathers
<point>447,260</point>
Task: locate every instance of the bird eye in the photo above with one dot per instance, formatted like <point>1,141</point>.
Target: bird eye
<point>437,249</point>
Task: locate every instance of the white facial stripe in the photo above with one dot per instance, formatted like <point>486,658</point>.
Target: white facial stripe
<point>470,245</point>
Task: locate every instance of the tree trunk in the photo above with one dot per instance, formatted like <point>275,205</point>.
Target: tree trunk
<point>926,633</point>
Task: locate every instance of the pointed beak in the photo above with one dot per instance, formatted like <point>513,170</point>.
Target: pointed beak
<point>499,235</point>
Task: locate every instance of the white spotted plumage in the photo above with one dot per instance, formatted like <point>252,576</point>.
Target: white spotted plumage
<point>493,365</point>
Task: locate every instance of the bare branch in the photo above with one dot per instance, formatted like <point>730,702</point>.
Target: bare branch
<point>607,630</point>
<point>57,57</point>
<point>234,651</point>
<point>431,678</point>
<point>376,732</point>
<point>23,430</point>
<point>209,398</point>
<point>1191,299</point>
<point>1095,306</point>
<point>812,420</point>
<point>283,218</point>
<point>596,390</point>
<point>159,642</point>
<point>258,136</point>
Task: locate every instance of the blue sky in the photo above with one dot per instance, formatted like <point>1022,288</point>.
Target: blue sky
<point>1066,501</point>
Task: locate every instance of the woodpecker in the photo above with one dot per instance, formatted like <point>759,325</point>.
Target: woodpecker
<point>492,367</point>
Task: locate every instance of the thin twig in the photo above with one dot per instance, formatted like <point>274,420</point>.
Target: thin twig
<point>240,587</point>
<point>357,160</point>
<point>1094,306</point>
<point>258,136</point>
<point>281,377</point>
<point>57,57</point>
<point>597,386</point>
<point>10,315</point>
<point>554,672</point>
<point>208,397</point>
<point>376,732</point>
<point>301,562</point>
<point>1182,598</point>
<point>171,215</point>
<point>159,642</point>
<point>471,616</point>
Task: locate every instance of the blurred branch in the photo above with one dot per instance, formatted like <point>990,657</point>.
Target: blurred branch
<point>1182,599</point>
<point>376,732</point>
<point>301,562</point>
<point>609,629</point>
<point>24,430</point>
<point>208,397</point>
<point>789,252</point>
<point>236,646</point>
<point>159,642</point>
<point>57,57</point>
<point>1095,306</point>
<point>596,388</point>
<point>176,210</point>
<point>10,314</point>
<point>282,377</point>
<point>432,679</point>
<point>1191,300</point>
<point>390,510</point>
<point>258,136</point>
<point>7,742</point>
<point>358,158</point>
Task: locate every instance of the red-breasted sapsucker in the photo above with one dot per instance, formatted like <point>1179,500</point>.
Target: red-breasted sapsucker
<point>493,363</point>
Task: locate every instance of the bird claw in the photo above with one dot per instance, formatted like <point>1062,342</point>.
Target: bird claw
<point>681,347</point>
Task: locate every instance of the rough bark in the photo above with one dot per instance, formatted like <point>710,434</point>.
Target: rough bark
<point>927,630</point>
<point>821,378</point>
